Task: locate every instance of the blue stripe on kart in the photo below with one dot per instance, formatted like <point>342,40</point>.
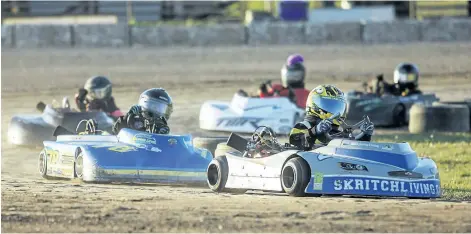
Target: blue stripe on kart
<point>407,161</point>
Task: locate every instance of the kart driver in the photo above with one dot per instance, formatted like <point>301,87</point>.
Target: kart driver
<point>96,95</point>
<point>292,82</point>
<point>406,82</point>
<point>323,102</point>
<point>150,114</point>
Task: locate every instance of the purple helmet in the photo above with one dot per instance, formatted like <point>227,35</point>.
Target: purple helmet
<point>294,59</point>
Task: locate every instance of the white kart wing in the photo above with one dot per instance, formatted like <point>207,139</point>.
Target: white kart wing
<point>256,173</point>
<point>245,114</point>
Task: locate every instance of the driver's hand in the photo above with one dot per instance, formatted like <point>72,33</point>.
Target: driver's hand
<point>82,94</point>
<point>135,110</point>
<point>135,122</point>
<point>263,88</point>
<point>367,128</point>
<point>324,126</point>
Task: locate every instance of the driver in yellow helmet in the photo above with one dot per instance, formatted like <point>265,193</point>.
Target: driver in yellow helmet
<point>323,102</point>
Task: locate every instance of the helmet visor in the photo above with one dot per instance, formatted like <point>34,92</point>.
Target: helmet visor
<point>99,93</point>
<point>156,107</point>
<point>332,105</point>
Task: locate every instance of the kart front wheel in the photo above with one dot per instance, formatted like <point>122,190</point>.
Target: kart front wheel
<point>78,166</point>
<point>217,173</point>
<point>295,177</point>
<point>43,164</point>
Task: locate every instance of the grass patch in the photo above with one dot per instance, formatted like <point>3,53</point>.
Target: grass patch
<point>451,152</point>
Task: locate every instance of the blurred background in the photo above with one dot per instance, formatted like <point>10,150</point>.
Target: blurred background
<point>149,12</point>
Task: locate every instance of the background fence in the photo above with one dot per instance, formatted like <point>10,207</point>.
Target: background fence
<point>272,33</point>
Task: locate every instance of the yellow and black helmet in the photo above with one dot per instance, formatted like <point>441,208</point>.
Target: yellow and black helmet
<point>325,101</point>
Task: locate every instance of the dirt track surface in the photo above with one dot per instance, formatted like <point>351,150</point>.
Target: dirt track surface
<point>32,204</point>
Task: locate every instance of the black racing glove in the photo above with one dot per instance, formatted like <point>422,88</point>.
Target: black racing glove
<point>380,77</point>
<point>263,88</point>
<point>82,94</point>
<point>135,121</point>
<point>135,110</point>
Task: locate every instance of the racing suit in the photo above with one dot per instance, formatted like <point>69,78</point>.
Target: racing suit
<point>106,105</point>
<point>380,87</point>
<point>297,94</point>
<point>135,119</point>
<point>303,135</point>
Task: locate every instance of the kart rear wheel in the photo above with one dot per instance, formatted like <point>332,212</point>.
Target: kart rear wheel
<point>399,115</point>
<point>217,173</point>
<point>78,166</point>
<point>295,177</point>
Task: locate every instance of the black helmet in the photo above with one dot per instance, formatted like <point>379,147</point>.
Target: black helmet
<point>98,87</point>
<point>293,72</point>
<point>406,74</point>
<point>156,102</point>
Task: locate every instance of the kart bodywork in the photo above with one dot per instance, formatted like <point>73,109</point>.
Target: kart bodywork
<point>343,167</point>
<point>387,110</point>
<point>245,114</point>
<point>33,129</point>
<point>130,156</point>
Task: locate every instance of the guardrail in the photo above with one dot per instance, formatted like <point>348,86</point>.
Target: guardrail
<point>274,33</point>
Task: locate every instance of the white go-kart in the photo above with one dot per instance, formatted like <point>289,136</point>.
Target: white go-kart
<point>246,114</point>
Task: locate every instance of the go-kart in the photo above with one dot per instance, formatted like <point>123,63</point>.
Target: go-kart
<point>245,114</point>
<point>345,166</point>
<point>386,110</point>
<point>130,156</point>
<point>32,130</point>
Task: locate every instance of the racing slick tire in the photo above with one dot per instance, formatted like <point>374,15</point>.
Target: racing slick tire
<point>209,143</point>
<point>78,166</point>
<point>217,173</point>
<point>43,165</point>
<point>439,117</point>
<point>295,176</point>
<point>399,115</point>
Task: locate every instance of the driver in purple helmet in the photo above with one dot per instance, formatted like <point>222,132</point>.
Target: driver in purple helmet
<point>292,82</point>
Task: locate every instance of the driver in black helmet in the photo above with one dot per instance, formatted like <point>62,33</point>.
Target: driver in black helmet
<point>96,95</point>
<point>406,82</point>
<point>150,114</point>
<point>406,79</point>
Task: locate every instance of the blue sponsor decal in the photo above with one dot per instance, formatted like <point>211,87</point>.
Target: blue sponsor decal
<point>143,138</point>
<point>353,185</point>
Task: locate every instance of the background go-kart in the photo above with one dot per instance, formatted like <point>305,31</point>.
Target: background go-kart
<point>193,75</point>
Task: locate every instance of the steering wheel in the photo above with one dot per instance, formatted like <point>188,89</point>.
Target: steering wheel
<point>263,136</point>
<point>90,127</point>
<point>347,128</point>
